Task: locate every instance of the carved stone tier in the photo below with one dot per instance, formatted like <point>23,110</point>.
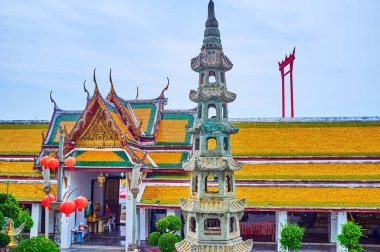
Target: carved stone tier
<point>212,163</point>
<point>236,245</point>
<point>213,206</point>
<point>210,59</point>
<point>204,94</point>
<point>213,127</point>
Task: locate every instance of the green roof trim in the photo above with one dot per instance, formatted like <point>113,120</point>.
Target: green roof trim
<point>121,154</point>
<point>60,118</point>
<point>110,107</point>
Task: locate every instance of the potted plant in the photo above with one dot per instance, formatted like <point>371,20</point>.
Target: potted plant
<point>349,238</point>
<point>291,237</point>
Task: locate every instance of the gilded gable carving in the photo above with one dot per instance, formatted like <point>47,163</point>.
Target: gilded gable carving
<point>100,133</point>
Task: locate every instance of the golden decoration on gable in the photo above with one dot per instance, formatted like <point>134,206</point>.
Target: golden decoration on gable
<point>100,133</point>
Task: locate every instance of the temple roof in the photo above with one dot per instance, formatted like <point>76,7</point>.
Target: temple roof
<point>277,197</point>
<point>10,168</point>
<point>310,137</point>
<point>307,171</point>
<point>25,191</point>
<point>21,137</point>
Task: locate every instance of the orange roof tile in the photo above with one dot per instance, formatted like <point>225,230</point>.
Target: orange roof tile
<point>143,114</point>
<point>25,191</point>
<point>18,169</point>
<point>330,171</point>
<point>21,138</point>
<point>306,139</point>
<point>168,158</point>
<point>276,196</point>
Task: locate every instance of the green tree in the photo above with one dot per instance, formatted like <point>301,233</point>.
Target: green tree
<point>165,236</point>
<point>175,223</point>
<point>24,216</point>
<point>166,242</point>
<point>9,206</point>
<point>349,238</point>
<point>4,240</point>
<point>2,221</point>
<point>153,238</point>
<point>36,244</point>
<point>291,237</point>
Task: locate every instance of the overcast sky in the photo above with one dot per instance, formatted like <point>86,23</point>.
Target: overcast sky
<point>55,45</point>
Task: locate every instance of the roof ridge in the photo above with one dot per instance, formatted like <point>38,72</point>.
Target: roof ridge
<point>24,121</point>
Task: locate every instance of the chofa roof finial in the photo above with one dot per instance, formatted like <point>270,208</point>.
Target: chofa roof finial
<point>96,90</point>
<point>85,90</point>
<point>112,91</point>
<point>137,93</point>
<point>52,100</point>
<point>165,89</point>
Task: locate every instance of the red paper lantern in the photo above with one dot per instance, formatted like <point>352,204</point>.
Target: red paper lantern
<point>47,200</point>
<point>81,202</point>
<point>53,164</point>
<point>44,161</point>
<point>67,207</point>
<point>70,162</point>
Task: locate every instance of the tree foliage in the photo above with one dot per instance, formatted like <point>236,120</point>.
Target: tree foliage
<point>175,223</point>
<point>166,242</point>
<point>36,244</point>
<point>2,220</point>
<point>4,240</point>
<point>291,237</point>
<point>349,238</point>
<point>162,225</point>
<point>9,206</point>
<point>165,237</point>
<point>24,216</point>
<point>153,238</point>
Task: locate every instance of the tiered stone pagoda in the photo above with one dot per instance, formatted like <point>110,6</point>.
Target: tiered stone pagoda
<point>212,212</point>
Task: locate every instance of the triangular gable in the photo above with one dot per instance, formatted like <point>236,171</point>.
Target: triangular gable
<point>96,127</point>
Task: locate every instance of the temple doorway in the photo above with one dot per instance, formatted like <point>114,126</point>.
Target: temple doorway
<point>155,215</point>
<point>317,225</point>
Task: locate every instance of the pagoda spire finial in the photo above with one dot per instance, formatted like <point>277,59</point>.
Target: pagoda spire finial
<point>211,20</point>
<point>211,34</point>
<point>96,90</point>
<point>112,91</point>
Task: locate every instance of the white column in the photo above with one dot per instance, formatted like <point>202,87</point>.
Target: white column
<point>36,216</point>
<point>333,226</point>
<point>67,223</point>
<point>128,219</point>
<point>143,223</point>
<point>341,219</point>
<point>281,219</point>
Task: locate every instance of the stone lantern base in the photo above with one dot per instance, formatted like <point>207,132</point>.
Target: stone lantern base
<point>236,245</point>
